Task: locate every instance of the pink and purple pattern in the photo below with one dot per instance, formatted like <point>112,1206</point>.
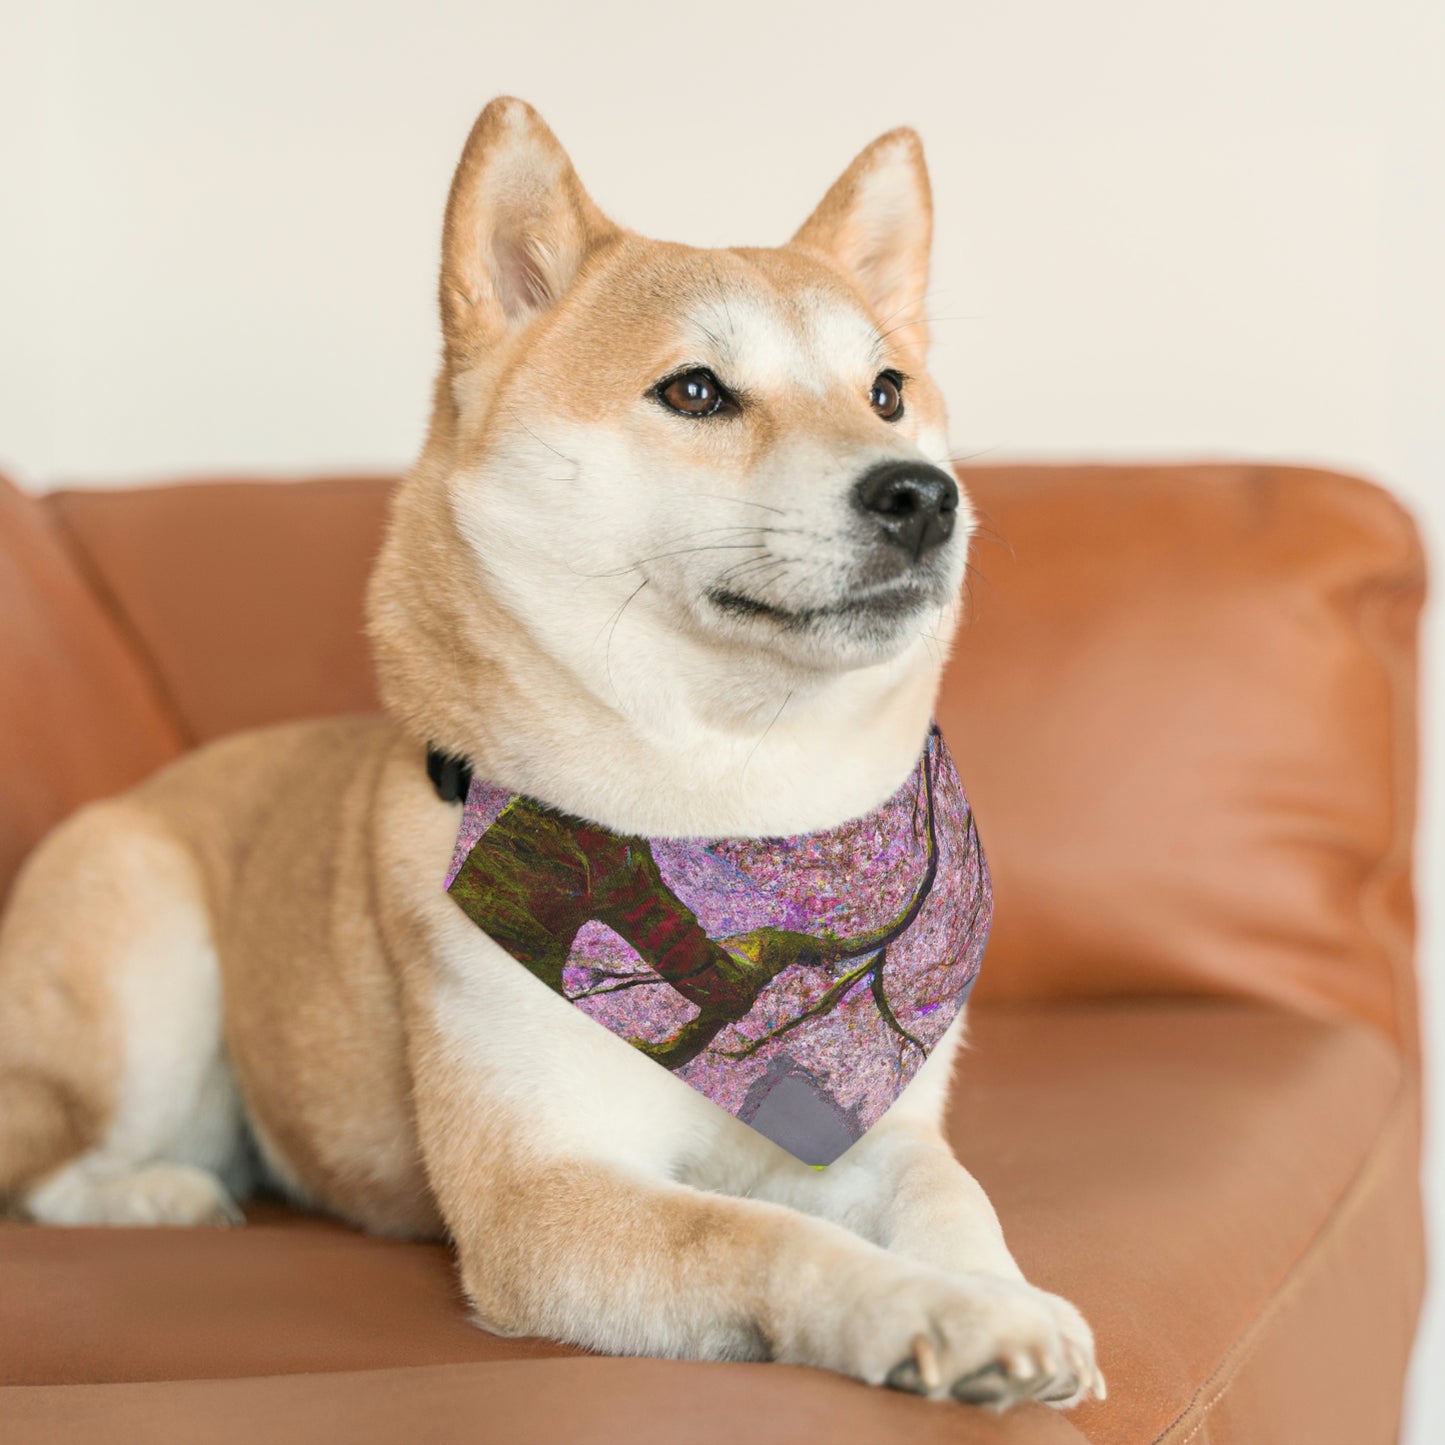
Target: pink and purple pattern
<point>798,983</point>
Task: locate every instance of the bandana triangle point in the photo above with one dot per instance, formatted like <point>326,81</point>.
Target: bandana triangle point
<point>797,982</point>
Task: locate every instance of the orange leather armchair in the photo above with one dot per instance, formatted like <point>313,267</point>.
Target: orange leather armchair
<point>1184,707</point>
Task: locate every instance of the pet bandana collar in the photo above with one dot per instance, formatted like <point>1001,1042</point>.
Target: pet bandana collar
<point>798,983</point>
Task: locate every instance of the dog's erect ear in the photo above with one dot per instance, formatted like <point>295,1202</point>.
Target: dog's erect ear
<point>877,223</point>
<point>518,227</point>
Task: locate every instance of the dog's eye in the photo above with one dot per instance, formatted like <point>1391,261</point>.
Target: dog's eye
<point>886,398</point>
<point>694,393</point>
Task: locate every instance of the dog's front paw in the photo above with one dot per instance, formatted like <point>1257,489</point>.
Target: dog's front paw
<point>978,1338</point>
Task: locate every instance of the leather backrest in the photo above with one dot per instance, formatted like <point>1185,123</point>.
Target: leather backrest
<point>247,596</point>
<point>79,715</point>
<point>1183,705</point>
<point>1184,710</point>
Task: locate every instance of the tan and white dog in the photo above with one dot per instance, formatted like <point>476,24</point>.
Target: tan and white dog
<point>678,556</point>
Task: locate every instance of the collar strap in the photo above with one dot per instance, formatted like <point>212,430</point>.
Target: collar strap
<point>450,774</point>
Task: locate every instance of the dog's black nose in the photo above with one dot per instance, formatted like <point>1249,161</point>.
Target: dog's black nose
<point>913,503</point>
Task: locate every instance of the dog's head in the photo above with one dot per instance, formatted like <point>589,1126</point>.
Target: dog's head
<point>646,456</point>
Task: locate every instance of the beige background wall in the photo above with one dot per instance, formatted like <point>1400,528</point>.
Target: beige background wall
<point>1164,229</point>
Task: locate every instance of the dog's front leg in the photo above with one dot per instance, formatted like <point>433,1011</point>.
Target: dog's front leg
<point>900,1187</point>
<point>584,1252</point>
<point>619,1259</point>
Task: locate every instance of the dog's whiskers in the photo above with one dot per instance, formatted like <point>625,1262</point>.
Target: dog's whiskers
<point>741,502</point>
<point>763,737</point>
<point>768,555</point>
<point>679,552</point>
<point>571,461</point>
<point>932,319</point>
<point>761,576</point>
<point>616,619</point>
<point>749,530</point>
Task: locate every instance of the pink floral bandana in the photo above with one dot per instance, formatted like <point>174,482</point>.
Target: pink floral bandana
<point>798,983</point>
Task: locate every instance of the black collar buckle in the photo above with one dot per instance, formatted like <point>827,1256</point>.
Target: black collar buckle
<point>450,775</point>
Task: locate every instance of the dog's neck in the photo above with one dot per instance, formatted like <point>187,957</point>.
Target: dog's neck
<point>807,761</point>
<point>666,735</point>
<point>671,760</point>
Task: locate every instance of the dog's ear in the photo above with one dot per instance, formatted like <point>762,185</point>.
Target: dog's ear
<point>877,224</point>
<point>518,228</point>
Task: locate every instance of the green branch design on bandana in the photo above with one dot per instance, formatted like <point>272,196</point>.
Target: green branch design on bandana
<point>799,982</point>
<point>874,948</point>
<point>536,877</point>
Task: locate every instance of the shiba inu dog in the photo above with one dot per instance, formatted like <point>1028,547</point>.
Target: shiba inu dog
<point>680,555</point>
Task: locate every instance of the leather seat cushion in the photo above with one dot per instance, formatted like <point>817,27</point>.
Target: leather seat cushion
<point>1223,1189</point>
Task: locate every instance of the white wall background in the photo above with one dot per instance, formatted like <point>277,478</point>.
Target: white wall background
<point>1164,229</point>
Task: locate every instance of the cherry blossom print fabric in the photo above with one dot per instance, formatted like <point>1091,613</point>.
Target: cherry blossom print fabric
<point>798,983</point>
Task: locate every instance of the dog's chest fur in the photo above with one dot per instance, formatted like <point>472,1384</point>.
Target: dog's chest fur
<point>344,959</point>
